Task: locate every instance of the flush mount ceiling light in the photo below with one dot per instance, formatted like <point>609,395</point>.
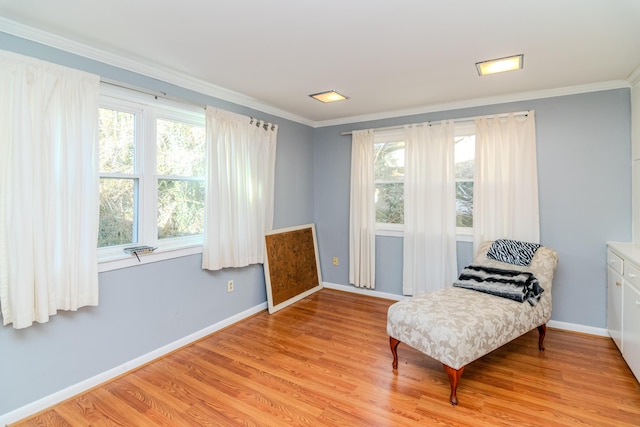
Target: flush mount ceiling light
<point>500,65</point>
<point>328,96</point>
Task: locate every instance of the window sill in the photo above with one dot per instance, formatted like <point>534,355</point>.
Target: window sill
<point>116,260</point>
<point>464,237</point>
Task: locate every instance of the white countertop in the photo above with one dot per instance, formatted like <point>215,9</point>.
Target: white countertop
<point>627,250</point>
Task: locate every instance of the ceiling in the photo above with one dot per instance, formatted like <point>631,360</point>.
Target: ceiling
<point>390,57</point>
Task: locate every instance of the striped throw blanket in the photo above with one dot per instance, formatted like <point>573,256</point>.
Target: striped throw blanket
<point>516,285</point>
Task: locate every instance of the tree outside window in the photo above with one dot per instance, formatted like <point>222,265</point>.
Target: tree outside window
<point>464,160</point>
<point>389,179</point>
<point>152,169</point>
<point>389,161</point>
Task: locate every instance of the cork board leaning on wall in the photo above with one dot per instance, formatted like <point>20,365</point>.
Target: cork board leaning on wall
<point>292,267</point>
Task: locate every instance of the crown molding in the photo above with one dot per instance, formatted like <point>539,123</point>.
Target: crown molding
<point>146,69</point>
<point>634,77</point>
<point>479,102</point>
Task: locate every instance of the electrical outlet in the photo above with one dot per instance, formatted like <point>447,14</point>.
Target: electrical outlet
<point>335,260</point>
<point>230,286</point>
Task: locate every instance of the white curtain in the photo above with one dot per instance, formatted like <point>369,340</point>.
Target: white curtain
<point>505,204</point>
<point>429,208</point>
<point>241,157</point>
<point>49,186</point>
<point>362,212</point>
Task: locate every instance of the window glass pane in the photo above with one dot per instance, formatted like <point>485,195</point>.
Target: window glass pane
<point>464,157</point>
<point>117,141</point>
<point>389,180</point>
<point>389,203</point>
<point>117,212</point>
<point>465,161</point>
<point>180,149</point>
<point>180,208</point>
<point>389,161</point>
<point>464,204</point>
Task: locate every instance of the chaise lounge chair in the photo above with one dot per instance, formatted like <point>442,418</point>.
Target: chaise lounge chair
<point>458,325</point>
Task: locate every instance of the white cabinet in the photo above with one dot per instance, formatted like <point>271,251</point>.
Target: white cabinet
<point>623,305</point>
<point>631,318</point>
<point>614,298</point>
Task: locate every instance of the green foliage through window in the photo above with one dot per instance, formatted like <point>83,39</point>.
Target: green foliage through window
<point>180,208</point>
<point>118,185</point>
<point>465,169</point>
<point>151,182</point>
<point>389,181</point>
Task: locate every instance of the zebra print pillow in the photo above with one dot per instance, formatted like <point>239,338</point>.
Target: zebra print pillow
<point>513,251</point>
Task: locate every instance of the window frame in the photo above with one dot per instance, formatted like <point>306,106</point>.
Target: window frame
<point>383,137</point>
<point>464,128</point>
<point>148,110</point>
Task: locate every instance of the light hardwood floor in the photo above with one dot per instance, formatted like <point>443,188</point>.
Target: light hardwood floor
<point>325,361</point>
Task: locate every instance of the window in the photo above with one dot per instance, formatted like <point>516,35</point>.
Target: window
<point>180,170</point>
<point>119,182</point>
<point>152,171</point>
<point>464,159</point>
<point>389,178</point>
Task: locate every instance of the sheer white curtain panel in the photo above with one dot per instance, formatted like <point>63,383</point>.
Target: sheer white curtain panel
<point>429,208</point>
<point>241,157</point>
<point>505,204</point>
<point>362,212</point>
<point>49,187</point>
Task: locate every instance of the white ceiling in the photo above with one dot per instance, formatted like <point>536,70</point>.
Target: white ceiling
<point>388,56</point>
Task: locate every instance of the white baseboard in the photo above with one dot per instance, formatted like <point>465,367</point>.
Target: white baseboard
<point>59,396</point>
<point>363,291</point>
<point>574,327</point>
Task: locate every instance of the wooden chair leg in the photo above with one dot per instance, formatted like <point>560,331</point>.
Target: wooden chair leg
<point>393,343</point>
<point>454,379</point>
<point>542,331</point>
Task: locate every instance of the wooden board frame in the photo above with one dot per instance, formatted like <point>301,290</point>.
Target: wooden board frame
<point>292,265</point>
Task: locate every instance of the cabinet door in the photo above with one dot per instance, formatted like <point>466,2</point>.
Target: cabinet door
<point>631,332</point>
<point>614,307</point>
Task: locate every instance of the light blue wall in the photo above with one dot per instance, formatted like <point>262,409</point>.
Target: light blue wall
<point>585,191</point>
<point>146,307</point>
<point>584,174</point>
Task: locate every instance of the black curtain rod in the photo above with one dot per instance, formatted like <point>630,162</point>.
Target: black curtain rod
<point>164,95</point>
<point>429,122</point>
<point>155,95</point>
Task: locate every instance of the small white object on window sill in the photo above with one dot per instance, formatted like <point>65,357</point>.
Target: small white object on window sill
<point>139,250</point>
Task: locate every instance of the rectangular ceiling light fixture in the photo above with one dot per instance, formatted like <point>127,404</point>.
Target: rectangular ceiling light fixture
<point>500,65</point>
<point>329,96</point>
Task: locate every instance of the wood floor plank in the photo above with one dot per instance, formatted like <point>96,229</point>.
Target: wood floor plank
<point>262,384</point>
<point>325,361</point>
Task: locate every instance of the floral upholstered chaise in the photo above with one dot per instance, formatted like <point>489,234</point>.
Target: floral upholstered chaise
<point>462,323</point>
